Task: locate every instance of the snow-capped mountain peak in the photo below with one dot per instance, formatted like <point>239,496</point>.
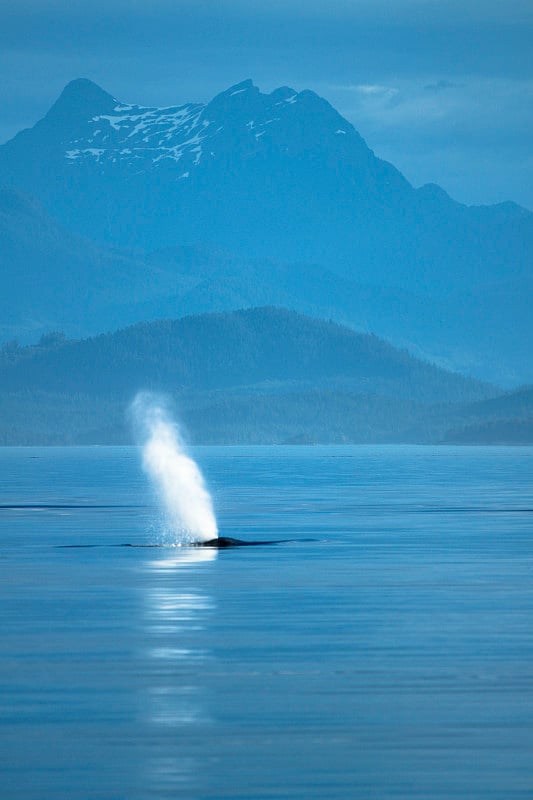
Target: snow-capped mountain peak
<point>93,127</point>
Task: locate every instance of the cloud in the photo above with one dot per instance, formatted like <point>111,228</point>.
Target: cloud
<point>472,135</point>
<point>374,89</point>
<point>453,29</point>
<point>478,106</point>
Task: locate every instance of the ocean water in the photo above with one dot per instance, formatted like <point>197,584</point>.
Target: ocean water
<point>383,650</point>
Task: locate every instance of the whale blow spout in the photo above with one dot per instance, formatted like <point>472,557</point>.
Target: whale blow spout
<point>176,477</point>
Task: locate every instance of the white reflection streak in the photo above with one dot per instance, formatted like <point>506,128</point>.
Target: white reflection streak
<point>181,556</point>
<point>175,700</point>
<point>174,706</point>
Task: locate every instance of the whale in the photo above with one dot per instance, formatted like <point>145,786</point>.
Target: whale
<point>221,542</point>
<point>227,541</point>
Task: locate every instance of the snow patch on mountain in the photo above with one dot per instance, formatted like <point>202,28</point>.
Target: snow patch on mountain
<point>153,135</point>
<point>137,139</point>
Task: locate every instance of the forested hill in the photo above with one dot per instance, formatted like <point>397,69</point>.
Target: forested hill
<point>267,348</point>
<point>263,375</point>
<point>506,419</point>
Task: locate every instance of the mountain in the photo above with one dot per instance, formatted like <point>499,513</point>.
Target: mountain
<point>252,199</point>
<point>263,374</point>
<point>280,175</point>
<point>504,419</point>
<point>52,278</point>
<point>57,280</point>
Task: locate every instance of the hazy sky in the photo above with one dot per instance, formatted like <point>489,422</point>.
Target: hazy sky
<point>442,88</point>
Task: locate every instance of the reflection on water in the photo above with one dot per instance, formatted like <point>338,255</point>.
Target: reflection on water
<point>175,706</point>
<point>174,697</point>
<point>176,557</point>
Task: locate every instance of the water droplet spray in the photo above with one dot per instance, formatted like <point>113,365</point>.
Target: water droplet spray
<point>176,477</point>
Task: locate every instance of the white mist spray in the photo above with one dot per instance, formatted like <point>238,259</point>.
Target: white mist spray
<point>175,476</point>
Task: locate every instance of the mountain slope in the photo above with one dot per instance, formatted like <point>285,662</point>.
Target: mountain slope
<point>259,375</point>
<point>504,419</point>
<point>52,278</point>
<point>280,175</point>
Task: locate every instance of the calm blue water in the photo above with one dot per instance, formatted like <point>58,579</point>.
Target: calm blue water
<point>390,657</point>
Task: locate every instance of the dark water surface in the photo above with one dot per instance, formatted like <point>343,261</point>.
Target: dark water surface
<point>390,657</point>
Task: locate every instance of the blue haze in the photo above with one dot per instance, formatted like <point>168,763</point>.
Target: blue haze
<point>255,198</point>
